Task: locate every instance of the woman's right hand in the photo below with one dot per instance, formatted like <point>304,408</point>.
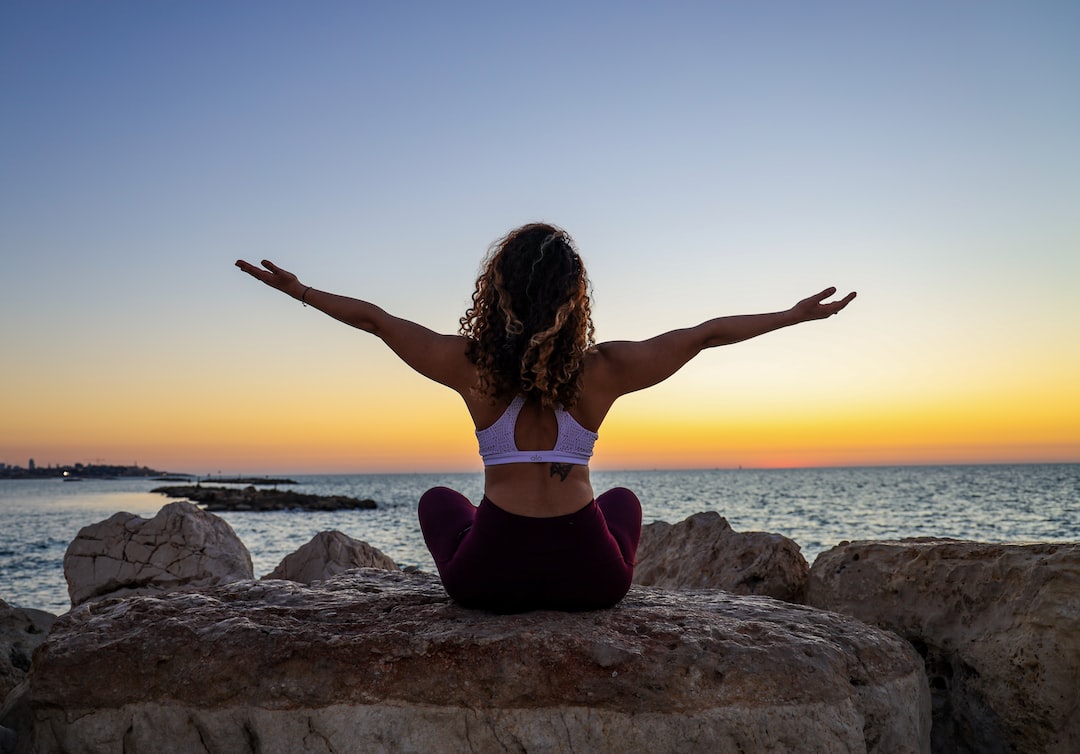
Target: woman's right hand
<point>274,276</point>
<point>815,307</point>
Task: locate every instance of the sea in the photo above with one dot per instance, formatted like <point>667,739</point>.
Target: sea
<point>817,508</point>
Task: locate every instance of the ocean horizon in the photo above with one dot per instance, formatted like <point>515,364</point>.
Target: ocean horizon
<point>816,507</point>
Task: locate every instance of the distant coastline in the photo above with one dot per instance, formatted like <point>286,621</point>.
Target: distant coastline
<point>81,471</point>
<point>85,471</point>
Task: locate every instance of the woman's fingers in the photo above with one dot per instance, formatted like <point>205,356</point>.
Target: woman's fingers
<point>836,306</point>
<point>816,307</point>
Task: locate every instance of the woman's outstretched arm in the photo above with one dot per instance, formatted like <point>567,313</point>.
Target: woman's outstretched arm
<point>352,311</point>
<point>625,366</point>
<point>439,357</point>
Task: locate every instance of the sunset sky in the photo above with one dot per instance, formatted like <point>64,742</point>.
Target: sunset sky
<point>708,157</point>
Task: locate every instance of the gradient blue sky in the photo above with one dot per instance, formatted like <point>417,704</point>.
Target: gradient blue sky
<point>709,158</point>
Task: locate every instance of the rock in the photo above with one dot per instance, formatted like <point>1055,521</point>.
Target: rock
<point>328,554</point>
<point>181,547</point>
<point>998,625</point>
<point>252,499</point>
<point>21,631</point>
<point>375,661</point>
<point>704,552</point>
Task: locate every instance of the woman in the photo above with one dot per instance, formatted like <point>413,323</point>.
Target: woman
<point>537,388</point>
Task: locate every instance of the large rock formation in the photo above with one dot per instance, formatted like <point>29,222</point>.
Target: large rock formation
<point>704,552</point>
<point>328,554</point>
<point>374,661</point>
<point>182,546</point>
<point>21,630</point>
<point>999,626</point>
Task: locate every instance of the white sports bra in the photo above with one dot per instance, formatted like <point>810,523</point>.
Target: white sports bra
<point>573,445</point>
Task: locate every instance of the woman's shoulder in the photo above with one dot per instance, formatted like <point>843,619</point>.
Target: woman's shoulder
<point>598,363</point>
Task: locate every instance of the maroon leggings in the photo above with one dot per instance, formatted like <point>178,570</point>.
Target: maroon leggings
<point>488,558</point>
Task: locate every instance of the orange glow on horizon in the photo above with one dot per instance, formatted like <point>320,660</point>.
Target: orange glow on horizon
<point>626,443</point>
<point>402,423</point>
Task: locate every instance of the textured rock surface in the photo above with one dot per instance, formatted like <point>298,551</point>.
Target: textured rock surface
<point>704,552</point>
<point>330,553</point>
<point>374,661</point>
<point>21,630</point>
<point>182,546</point>
<point>999,626</point>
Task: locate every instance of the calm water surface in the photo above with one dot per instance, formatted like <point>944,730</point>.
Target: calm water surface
<point>817,508</point>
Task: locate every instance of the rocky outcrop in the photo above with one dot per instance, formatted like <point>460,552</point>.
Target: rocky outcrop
<point>375,661</point>
<point>181,547</point>
<point>704,552</point>
<point>249,498</point>
<point>330,553</point>
<point>21,630</point>
<point>998,625</point>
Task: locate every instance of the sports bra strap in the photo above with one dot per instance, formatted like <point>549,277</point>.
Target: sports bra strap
<point>574,443</point>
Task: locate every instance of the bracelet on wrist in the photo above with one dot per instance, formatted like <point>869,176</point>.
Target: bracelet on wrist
<point>304,295</point>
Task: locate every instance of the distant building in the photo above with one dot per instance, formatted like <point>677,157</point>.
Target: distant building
<point>31,465</point>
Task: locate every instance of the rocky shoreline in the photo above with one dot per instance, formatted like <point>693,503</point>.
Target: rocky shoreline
<point>728,641</point>
<point>221,499</point>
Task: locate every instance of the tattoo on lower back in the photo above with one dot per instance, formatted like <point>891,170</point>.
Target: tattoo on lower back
<point>561,470</point>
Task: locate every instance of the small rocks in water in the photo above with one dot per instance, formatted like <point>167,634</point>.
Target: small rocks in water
<point>221,499</point>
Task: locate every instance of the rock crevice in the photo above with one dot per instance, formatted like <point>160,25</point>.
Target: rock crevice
<point>998,626</point>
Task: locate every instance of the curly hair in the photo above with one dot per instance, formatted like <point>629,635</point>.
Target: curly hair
<point>530,323</point>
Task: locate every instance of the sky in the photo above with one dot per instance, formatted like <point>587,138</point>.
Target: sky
<point>709,158</point>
